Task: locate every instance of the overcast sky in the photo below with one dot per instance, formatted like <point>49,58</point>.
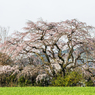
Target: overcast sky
<point>15,13</point>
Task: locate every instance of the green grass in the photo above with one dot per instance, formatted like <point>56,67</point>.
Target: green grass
<point>47,91</point>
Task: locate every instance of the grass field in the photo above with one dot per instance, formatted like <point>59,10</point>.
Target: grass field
<point>47,91</point>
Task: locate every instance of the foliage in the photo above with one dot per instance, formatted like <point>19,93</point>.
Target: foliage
<point>68,44</point>
<point>8,75</point>
<point>11,81</point>
<point>89,82</point>
<point>59,81</point>
<point>8,80</point>
<point>24,82</point>
<point>11,78</point>
<point>71,79</point>
<point>48,41</point>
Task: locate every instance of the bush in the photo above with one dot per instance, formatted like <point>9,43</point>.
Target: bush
<point>8,75</point>
<point>11,80</point>
<point>24,82</point>
<point>89,82</point>
<point>59,81</point>
<point>28,82</point>
<point>71,79</point>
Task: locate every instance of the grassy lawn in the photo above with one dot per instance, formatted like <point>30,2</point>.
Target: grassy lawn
<point>47,91</point>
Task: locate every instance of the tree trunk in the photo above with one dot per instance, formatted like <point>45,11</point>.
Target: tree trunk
<point>63,72</point>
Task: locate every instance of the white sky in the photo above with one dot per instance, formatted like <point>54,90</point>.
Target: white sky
<point>15,13</point>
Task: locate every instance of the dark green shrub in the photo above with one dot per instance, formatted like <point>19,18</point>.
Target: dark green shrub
<point>71,79</point>
<point>21,81</point>
<point>89,82</point>
<point>8,80</point>
<point>24,82</point>
<point>11,80</point>
<point>28,82</point>
<point>59,81</point>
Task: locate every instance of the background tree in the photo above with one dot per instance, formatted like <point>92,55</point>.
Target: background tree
<point>3,34</point>
<point>64,43</point>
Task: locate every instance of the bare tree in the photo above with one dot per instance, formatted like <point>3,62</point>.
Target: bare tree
<point>3,34</point>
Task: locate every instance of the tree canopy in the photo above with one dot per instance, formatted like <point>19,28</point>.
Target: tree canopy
<point>67,43</point>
